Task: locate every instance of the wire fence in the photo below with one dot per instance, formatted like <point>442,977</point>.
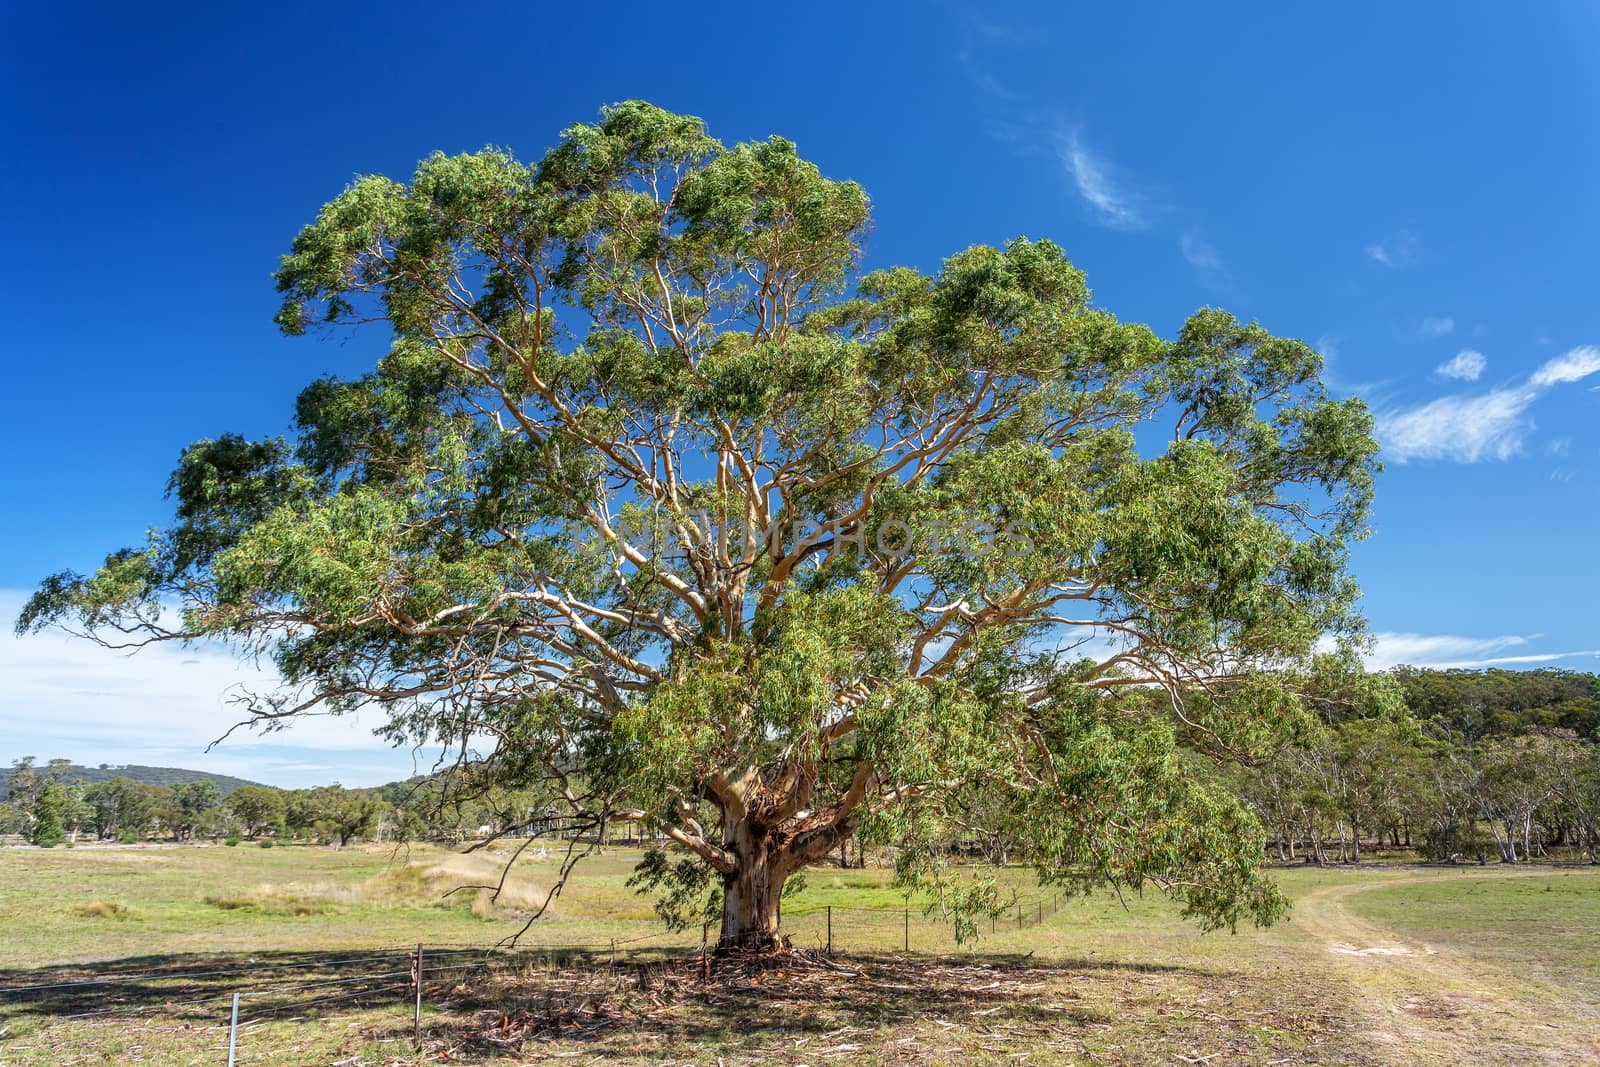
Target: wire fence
<point>302,984</point>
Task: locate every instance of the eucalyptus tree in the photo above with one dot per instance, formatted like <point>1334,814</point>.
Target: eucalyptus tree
<point>192,803</point>
<point>656,496</point>
<point>48,827</point>
<point>260,809</point>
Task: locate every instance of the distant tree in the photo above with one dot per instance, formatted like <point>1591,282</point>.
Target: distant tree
<point>76,812</point>
<point>1444,808</point>
<point>300,811</point>
<point>409,823</point>
<point>16,810</point>
<point>194,801</point>
<point>1509,779</point>
<point>1577,774</point>
<point>24,782</point>
<point>259,809</point>
<point>49,816</point>
<point>123,807</point>
<point>1371,761</point>
<point>345,814</point>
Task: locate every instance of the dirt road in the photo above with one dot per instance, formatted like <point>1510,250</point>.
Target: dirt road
<point>1432,1004</point>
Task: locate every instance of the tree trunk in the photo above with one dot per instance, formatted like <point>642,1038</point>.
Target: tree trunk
<point>764,843</point>
<point>751,894</point>
<point>1506,845</point>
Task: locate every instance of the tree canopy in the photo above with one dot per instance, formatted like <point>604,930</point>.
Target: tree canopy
<point>1498,703</point>
<point>658,499</point>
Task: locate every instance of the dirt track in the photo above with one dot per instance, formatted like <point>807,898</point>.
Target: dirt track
<point>1431,1004</point>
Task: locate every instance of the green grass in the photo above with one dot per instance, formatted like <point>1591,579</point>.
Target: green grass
<point>166,892</point>
<point>1547,923</point>
<point>295,898</point>
<point>1101,979</point>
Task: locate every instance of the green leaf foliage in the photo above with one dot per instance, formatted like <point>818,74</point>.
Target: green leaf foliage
<point>663,506</point>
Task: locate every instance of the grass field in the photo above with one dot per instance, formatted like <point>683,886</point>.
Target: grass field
<point>1378,965</point>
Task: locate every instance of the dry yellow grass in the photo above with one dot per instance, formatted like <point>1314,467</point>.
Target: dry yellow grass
<point>102,909</point>
<point>440,878</point>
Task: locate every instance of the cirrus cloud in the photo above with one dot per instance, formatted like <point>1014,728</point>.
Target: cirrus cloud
<point>1572,366</point>
<point>1491,425</point>
<point>1110,199</point>
<point>1446,651</point>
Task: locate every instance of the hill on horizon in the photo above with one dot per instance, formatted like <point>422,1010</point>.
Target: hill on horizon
<point>105,772</point>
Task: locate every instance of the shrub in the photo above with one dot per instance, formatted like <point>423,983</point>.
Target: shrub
<point>232,841</point>
<point>1460,841</point>
<point>271,900</point>
<point>267,842</point>
<point>102,909</point>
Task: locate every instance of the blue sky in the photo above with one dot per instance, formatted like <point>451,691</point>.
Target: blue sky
<point>1409,187</point>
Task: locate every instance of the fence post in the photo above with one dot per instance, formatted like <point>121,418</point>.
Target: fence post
<point>1041,910</point>
<point>908,928</point>
<point>416,1014</point>
<point>830,929</point>
<point>233,1030</point>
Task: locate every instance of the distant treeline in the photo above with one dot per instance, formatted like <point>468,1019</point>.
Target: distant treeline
<point>49,807</point>
<point>1456,764</point>
<point>1483,704</point>
<point>105,772</point>
<point>1479,764</point>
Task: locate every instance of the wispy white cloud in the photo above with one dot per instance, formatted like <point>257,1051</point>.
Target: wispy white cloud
<point>1573,365</point>
<point>1394,252</point>
<point>163,706</point>
<point>1447,651</point>
<point>1111,200</point>
<point>1435,326</point>
<point>979,36</point>
<point>1202,255</point>
<point>1328,347</point>
<point>1492,425</point>
<point>1464,428</point>
<point>1467,366</point>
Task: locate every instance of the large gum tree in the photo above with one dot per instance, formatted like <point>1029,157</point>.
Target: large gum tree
<point>657,499</point>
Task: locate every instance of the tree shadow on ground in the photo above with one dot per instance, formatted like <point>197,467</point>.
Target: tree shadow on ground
<point>644,1007</point>
<point>185,984</point>
<point>199,987</point>
<point>749,1002</point>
